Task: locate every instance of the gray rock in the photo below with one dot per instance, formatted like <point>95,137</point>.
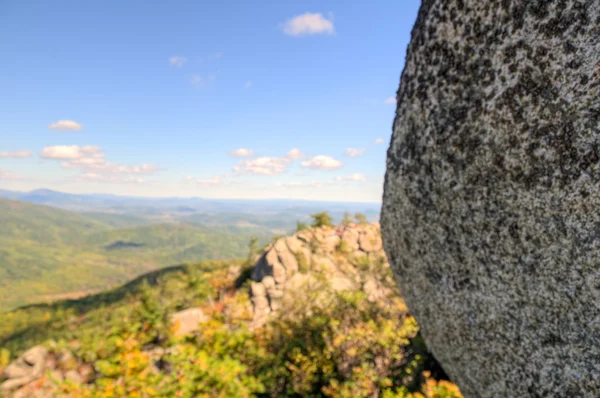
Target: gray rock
<point>272,259</point>
<point>261,269</point>
<point>35,355</point>
<point>305,236</point>
<point>268,282</point>
<point>73,376</point>
<point>16,370</point>
<point>260,303</point>
<point>294,244</point>
<point>350,237</point>
<point>279,273</point>
<point>288,260</point>
<point>12,384</point>
<point>276,304</point>
<point>370,241</point>
<point>188,321</point>
<point>258,289</point>
<point>340,283</point>
<point>490,210</point>
<point>275,293</point>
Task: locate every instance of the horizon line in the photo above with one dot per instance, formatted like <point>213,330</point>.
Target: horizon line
<point>187,197</point>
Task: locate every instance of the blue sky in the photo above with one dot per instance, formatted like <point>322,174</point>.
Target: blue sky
<point>191,98</point>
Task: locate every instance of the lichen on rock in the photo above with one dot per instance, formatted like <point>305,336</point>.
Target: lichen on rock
<point>490,211</point>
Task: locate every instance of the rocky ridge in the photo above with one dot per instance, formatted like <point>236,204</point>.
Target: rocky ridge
<point>323,259</point>
<point>311,257</point>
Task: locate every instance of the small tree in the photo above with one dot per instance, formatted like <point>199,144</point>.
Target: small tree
<point>300,226</point>
<point>322,219</point>
<point>252,249</point>
<point>347,220</point>
<point>361,218</point>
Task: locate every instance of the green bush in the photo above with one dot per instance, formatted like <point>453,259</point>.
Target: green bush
<point>301,226</point>
<point>322,219</point>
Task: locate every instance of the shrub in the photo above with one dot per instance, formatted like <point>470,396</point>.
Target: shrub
<point>361,218</point>
<point>322,219</point>
<point>301,226</point>
<point>303,265</point>
<point>347,220</point>
<point>343,247</point>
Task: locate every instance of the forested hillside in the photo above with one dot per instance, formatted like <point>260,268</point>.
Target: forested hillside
<point>339,329</point>
<point>48,253</point>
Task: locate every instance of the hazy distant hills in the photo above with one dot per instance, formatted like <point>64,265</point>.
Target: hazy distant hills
<point>57,245</point>
<point>275,214</point>
<point>48,253</point>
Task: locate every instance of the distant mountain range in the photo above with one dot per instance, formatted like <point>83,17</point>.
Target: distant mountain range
<point>175,208</point>
<point>55,244</point>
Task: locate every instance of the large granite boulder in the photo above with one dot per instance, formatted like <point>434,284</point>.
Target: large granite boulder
<point>490,216</point>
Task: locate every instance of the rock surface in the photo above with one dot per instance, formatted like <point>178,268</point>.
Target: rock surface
<point>490,211</point>
<point>291,266</point>
<point>188,321</point>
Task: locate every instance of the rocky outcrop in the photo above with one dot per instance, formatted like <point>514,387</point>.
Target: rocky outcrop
<point>490,211</point>
<point>37,372</point>
<point>295,262</point>
<point>187,321</point>
<point>25,369</point>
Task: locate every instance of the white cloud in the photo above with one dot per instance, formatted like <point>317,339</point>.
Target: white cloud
<point>295,154</point>
<point>65,125</point>
<point>64,152</point>
<point>177,61</point>
<point>90,160</point>
<point>199,81</point>
<point>248,84</point>
<point>210,181</point>
<point>16,154</point>
<point>390,100</point>
<point>354,152</point>
<point>264,165</point>
<point>322,162</point>
<point>241,153</point>
<point>308,24</point>
<point>6,175</point>
<point>378,141</point>
<point>110,178</point>
<point>294,184</point>
<point>353,177</point>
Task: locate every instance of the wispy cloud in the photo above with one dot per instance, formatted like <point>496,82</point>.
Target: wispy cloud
<point>248,84</point>
<point>265,165</point>
<point>241,153</point>
<point>308,24</point>
<point>390,100</point>
<point>378,141</point>
<point>177,61</point>
<point>16,154</point>
<point>199,81</point>
<point>7,175</point>
<point>210,181</point>
<point>354,152</point>
<point>65,125</point>
<point>353,177</point>
<point>294,184</point>
<point>322,162</point>
<point>295,154</point>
